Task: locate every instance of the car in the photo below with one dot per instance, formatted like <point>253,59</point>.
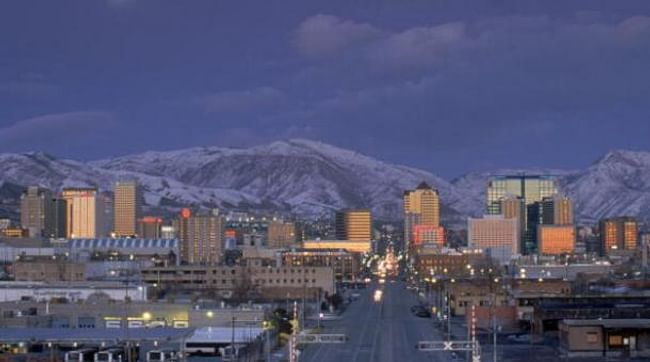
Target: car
<point>418,308</point>
<point>423,313</point>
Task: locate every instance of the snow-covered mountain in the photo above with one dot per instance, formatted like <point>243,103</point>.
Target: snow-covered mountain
<point>305,177</point>
<point>309,179</point>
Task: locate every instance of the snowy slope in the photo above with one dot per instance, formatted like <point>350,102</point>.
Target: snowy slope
<point>311,179</point>
<point>308,177</point>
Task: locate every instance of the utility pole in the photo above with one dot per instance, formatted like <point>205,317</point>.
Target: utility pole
<point>268,344</point>
<point>494,331</point>
<point>232,344</point>
<point>448,313</point>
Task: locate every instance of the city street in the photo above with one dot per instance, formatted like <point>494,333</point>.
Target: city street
<point>383,331</point>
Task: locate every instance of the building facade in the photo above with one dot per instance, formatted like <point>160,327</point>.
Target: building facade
<point>126,206</point>
<point>619,233</point>
<point>531,189</point>
<point>201,238</point>
<point>421,207</point>
<point>346,265</point>
<point>556,239</point>
<point>84,213</point>
<point>495,235</point>
<point>280,234</point>
<point>354,224</point>
<point>149,227</point>
<point>557,210</point>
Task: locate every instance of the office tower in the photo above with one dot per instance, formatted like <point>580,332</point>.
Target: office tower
<point>421,207</point>
<point>557,210</point>
<point>201,237</point>
<point>531,189</point>
<point>514,207</point>
<point>35,205</point>
<point>619,233</point>
<point>56,216</point>
<point>496,235</point>
<point>84,213</point>
<point>556,239</point>
<point>149,227</point>
<point>280,234</point>
<point>126,204</point>
<point>353,224</point>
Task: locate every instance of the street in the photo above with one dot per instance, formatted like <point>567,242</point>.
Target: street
<point>379,331</point>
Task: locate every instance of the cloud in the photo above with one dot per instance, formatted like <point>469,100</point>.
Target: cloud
<point>60,128</point>
<point>327,35</point>
<point>229,102</point>
<point>417,46</point>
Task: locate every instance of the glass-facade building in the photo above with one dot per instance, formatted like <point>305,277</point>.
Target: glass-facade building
<point>531,189</point>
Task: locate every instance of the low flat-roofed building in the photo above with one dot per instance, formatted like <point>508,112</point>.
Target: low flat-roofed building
<point>354,246</point>
<point>560,271</point>
<point>346,265</point>
<point>262,281</point>
<point>72,291</point>
<point>101,313</point>
<point>479,292</point>
<point>549,310</point>
<point>51,269</point>
<point>604,338</point>
<point>448,262</point>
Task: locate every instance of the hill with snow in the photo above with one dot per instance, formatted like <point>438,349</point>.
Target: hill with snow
<point>310,179</point>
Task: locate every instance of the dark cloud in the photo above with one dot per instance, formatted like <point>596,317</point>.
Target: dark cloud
<point>450,88</point>
<point>55,129</point>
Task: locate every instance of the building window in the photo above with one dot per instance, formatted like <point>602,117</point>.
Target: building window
<point>615,341</point>
<point>592,337</point>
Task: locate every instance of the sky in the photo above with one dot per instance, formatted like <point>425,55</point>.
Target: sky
<point>447,86</point>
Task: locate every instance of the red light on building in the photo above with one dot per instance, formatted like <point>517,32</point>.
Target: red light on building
<point>428,234</point>
<point>230,233</point>
<point>186,213</point>
<point>151,220</point>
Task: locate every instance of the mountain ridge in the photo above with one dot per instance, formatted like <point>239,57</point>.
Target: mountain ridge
<point>311,179</point>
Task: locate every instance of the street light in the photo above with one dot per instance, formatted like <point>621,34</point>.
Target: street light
<point>146,316</point>
<point>209,314</point>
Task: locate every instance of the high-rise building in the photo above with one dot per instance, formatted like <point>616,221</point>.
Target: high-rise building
<point>556,239</point>
<point>84,213</point>
<point>35,205</point>
<point>56,216</point>
<point>280,234</point>
<point>127,203</point>
<point>149,227</point>
<point>421,207</point>
<point>201,237</point>
<point>495,235</point>
<point>531,189</point>
<point>557,210</point>
<point>619,233</point>
<point>353,224</point>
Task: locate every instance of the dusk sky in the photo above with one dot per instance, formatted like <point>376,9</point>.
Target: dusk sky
<point>447,86</point>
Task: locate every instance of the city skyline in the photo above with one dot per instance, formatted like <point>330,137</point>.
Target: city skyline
<point>241,75</point>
